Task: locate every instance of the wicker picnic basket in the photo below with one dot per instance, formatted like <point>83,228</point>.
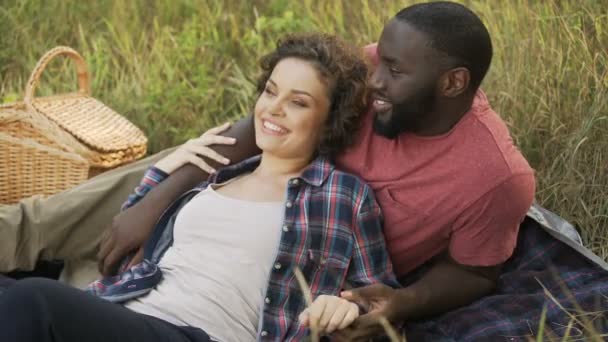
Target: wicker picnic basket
<point>111,139</point>
<point>50,144</point>
<point>38,157</point>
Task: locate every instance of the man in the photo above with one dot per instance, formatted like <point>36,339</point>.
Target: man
<point>452,186</point>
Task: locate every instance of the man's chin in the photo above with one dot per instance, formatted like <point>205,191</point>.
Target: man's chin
<point>386,128</point>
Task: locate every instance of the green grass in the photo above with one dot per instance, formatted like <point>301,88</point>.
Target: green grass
<point>176,68</point>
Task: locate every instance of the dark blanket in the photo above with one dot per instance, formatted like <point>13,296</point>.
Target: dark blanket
<point>514,311</point>
<point>5,282</point>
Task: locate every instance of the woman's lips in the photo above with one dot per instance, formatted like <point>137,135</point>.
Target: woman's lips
<point>273,129</point>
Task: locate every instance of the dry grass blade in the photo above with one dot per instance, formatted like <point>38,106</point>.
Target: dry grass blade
<point>582,320</point>
<point>314,333</point>
<point>390,330</point>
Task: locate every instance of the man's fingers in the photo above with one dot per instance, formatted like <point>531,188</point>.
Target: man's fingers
<point>104,250</point>
<point>363,295</point>
<point>103,245</point>
<point>217,130</point>
<point>137,258</point>
<point>110,264</point>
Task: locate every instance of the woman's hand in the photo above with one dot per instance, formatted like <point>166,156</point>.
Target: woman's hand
<point>329,313</point>
<point>193,149</point>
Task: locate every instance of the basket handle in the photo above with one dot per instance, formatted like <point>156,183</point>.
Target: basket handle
<point>81,68</point>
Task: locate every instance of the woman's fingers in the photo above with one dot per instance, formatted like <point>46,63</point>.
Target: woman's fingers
<point>330,313</point>
<point>315,311</point>
<point>304,318</point>
<point>193,159</point>
<point>217,130</point>
<point>333,321</point>
<point>209,153</point>
<point>208,140</point>
<point>350,317</point>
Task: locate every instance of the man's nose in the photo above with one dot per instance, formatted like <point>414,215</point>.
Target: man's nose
<point>376,81</point>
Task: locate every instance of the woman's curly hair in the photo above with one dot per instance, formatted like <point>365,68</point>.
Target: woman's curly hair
<point>337,63</point>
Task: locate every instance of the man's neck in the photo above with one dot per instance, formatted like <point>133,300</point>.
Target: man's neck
<point>445,116</point>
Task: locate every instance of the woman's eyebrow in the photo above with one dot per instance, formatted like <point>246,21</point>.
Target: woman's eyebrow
<point>294,91</point>
<point>301,92</point>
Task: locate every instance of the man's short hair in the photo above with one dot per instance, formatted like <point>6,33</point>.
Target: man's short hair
<point>455,31</point>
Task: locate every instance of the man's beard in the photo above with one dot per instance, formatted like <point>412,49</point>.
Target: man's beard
<point>407,115</point>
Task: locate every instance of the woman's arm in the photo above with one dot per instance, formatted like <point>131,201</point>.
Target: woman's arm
<point>131,228</point>
<point>371,263</point>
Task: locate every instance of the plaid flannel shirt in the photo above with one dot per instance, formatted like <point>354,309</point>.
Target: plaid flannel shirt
<point>332,231</point>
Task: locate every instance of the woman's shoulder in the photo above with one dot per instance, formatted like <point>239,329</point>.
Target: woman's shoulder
<point>324,174</point>
<point>348,182</point>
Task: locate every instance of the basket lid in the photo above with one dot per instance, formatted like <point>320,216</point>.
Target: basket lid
<point>89,120</point>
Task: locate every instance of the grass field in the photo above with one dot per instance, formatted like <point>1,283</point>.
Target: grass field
<point>176,68</point>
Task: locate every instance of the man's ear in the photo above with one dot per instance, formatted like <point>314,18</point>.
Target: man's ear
<point>455,82</point>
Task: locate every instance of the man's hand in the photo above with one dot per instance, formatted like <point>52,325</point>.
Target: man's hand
<point>380,301</point>
<point>434,293</point>
<point>131,228</point>
<point>128,233</point>
<point>329,313</point>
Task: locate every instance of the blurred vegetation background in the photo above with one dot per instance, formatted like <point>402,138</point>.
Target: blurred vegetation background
<point>178,67</point>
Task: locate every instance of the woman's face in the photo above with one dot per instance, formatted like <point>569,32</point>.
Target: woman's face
<point>291,111</point>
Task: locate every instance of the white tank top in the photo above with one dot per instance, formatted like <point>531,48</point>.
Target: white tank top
<point>216,272</point>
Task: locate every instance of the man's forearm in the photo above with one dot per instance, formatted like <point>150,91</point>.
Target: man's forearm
<point>446,286</point>
<point>188,176</point>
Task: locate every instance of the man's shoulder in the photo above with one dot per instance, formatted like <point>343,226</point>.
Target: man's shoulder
<point>490,140</point>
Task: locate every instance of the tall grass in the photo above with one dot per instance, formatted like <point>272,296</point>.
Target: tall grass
<point>176,68</point>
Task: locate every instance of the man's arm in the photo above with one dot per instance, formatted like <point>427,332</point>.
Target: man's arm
<point>445,286</point>
<point>132,227</point>
<point>482,239</point>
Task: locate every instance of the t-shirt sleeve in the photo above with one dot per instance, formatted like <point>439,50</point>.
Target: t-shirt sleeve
<point>371,53</point>
<point>485,233</point>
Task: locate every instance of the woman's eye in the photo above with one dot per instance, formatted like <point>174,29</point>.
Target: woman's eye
<point>268,91</point>
<point>300,104</point>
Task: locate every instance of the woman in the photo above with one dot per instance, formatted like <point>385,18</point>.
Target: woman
<point>228,248</point>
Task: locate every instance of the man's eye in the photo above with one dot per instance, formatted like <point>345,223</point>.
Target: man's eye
<point>394,71</point>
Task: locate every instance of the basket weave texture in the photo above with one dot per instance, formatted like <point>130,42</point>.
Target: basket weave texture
<point>52,143</point>
<point>38,158</point>
<point>112,139</point>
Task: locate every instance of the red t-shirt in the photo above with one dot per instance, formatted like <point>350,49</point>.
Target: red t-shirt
<point>467,190</point>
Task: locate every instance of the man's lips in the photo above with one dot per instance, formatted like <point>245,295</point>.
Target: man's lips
<point>381,105</point>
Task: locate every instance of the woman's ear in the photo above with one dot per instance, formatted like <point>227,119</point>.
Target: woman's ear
<point>455,82</point>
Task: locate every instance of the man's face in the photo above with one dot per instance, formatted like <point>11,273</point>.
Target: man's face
<point>403,86</point>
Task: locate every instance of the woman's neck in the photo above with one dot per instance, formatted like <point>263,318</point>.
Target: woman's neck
<point>274,167</point>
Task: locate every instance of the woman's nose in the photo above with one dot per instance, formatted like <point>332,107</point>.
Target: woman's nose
<point>276,108</point>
